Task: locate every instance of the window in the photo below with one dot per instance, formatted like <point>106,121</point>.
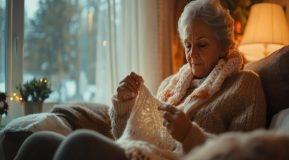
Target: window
<point>84,48</point>
<point>66,41</point>
<point>2,43</point>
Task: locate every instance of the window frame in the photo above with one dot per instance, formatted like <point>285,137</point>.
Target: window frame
<point>14,44</point>
<point>14,54</point>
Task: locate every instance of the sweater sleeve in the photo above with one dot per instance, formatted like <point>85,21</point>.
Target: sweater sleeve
<point>194,137</point>
<point>119,114</point>
<point>245,105</point>
<point>252,114</point>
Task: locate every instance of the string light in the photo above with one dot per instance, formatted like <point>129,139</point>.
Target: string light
<point>18,98</point>
<point>15,97</point>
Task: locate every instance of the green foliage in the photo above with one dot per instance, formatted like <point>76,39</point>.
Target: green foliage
<point>52,37</point>
<point>59,43</point>
<point>36,90</point>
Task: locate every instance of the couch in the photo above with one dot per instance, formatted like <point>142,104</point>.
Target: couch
<point>273,71</point>
<point>62,119</point>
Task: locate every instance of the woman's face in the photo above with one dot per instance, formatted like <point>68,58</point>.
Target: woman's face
<point>202,49</point>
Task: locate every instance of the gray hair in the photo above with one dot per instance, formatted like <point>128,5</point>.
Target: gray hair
<point>214,15</point>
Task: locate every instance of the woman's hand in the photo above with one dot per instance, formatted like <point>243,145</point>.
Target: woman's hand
<point>128,87</point>
<point>177,123</point>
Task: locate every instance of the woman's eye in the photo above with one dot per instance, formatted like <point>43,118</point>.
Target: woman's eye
<point>202,45</point>
<point>188,46</point>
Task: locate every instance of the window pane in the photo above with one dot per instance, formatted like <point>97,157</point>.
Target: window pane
<point>2,43</point>
<point>62,41</point>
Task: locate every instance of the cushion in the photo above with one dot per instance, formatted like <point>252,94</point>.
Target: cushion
<point>39,122</point>
<point>280,121</point>
<point>274,73</point>
<point>93,116</point>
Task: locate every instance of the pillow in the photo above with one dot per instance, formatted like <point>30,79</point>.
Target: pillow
<point>280,121</point>
<point>39,122</point>
<point>91,116</point>
<point>274,73</point>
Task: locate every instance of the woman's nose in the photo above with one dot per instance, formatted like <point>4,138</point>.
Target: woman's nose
<point>193,53</point>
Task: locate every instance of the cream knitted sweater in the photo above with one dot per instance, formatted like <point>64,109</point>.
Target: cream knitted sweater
<point>239,105</point>
<point>226,100</point>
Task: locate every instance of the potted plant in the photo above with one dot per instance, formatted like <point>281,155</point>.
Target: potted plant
<point>3,105</point>
<point>33,93</point>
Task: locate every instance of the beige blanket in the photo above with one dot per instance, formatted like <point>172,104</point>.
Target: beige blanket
<point>85,116</point>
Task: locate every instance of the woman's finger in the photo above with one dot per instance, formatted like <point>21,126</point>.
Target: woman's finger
<point>134,77</point>
<point>133,83</point>
<point>169,117</point>
<point>168,108</point>
<point>129,81</point>
<point>137,78</point>
<point>120,88</point>
<point>125,95</point>
<point>126,85</point>
<point>123,88</point>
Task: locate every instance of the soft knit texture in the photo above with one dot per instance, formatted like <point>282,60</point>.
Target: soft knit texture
<point>144,136</point>
<point>256,145</point>
<point>233,100</point>
<point>175,91</point>
<point>179,83</point>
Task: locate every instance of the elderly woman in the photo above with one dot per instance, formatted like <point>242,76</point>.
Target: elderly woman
<point>209,95</point>
<point>211,91</point>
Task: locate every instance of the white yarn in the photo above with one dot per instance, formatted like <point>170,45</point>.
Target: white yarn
<point>144,135</point>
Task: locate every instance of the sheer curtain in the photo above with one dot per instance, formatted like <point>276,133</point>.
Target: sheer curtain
<point>131,43</point>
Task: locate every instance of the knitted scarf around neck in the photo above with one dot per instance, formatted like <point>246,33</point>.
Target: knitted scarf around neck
<point>175,91</point>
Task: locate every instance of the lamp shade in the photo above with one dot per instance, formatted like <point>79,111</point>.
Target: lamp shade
<point>266,31</point>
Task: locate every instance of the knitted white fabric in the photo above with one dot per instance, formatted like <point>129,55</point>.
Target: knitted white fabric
<point>179,83</point>
<point>145,136</point>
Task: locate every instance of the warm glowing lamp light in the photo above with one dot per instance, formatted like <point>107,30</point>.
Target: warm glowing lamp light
<point>266,31</point>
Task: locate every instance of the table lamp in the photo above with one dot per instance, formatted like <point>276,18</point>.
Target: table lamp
<point>266,31</point>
